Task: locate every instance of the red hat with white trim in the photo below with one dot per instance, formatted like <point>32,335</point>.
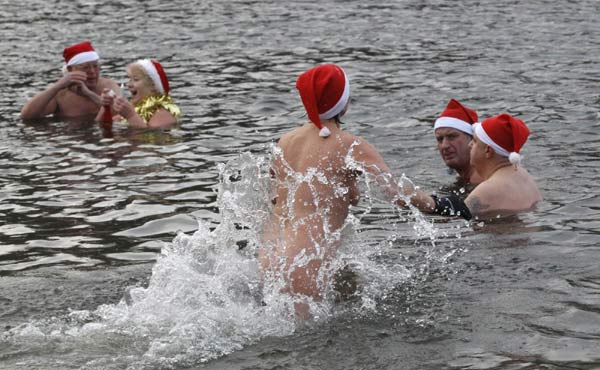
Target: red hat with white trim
<point>82,52</point>
<point>157,74</point>
<point>457,116</point>
<point>505,134</point>
<point>324,91</point>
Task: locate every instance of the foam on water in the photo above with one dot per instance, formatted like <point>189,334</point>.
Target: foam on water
<point>206,296</point>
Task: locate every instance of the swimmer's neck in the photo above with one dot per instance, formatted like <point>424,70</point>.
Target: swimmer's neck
<point>491,169</point>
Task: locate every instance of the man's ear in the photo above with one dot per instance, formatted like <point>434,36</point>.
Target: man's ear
<point>489,152</point>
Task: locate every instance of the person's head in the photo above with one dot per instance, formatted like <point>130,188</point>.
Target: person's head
<point>82,57</point>
<point>498,139</point>
<point>146,78</point>
<point>453,132</point>
<point>324,91</point>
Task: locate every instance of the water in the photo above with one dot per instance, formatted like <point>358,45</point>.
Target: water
<point>103,263</point>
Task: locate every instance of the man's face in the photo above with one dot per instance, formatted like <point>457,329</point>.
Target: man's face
<point>477,153</point>
<point>454,148</point>
<point>92,70</point>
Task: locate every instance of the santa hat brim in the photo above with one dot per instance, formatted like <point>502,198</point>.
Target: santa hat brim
<point>485,138</point>
<point>86,56</point>
<point>151,71</point>
<point>455,123</point>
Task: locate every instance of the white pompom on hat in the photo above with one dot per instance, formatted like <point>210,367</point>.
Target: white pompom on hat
<point>458,117</point>
<point>157,74</point>
<point>505,134</point>
<point>324,91</point>
<point>80,53</point>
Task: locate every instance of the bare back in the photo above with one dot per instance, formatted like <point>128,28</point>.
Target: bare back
<point>325,185</point>
<point>314,192</point>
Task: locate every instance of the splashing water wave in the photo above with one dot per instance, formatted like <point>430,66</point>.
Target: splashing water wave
<point>207,297</point>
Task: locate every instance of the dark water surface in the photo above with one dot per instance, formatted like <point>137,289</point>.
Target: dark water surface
<point>84,217</point>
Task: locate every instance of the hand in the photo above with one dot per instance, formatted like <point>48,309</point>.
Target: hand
<point>83,90</point>
<point>72,79</point>
<point>107,97</point>
<point>123,107</point>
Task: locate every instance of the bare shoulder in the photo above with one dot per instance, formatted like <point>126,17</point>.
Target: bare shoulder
<point>481,198</point>
<point>286,138</point>
<point>476,205</point>
<point>364,152</point>
<point>162,118</point>
<point>360,146</point>
<point>108,83</point>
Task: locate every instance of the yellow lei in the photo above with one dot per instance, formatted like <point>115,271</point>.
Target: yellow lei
<point>147,107</point>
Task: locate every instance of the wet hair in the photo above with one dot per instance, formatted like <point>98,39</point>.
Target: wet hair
<point>337,119</point>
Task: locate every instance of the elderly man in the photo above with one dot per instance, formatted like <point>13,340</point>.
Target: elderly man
<point>453,133</point>
<point>507,188</point>
<point>77,92</point>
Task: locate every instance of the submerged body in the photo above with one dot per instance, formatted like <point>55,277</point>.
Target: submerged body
<point>77,92</point>
<point>151,106</point>
<point>507,189</point>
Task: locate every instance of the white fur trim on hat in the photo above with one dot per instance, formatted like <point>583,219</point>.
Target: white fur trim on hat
<point>454,123</point>
<point>86,56</point>
<point>483,136</point>
<point>152,73</point>
<point>324,132</point>
<point>515,158</point>
<point>339,106</point>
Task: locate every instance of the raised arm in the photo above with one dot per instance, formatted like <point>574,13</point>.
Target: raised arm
<point>44,103</point>
<point>369,158</point>
<point>366,155</point>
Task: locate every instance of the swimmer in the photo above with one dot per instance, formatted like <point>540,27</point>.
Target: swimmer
<point>77,92</point>
<point>151,105</point>
<point>315,186</point>
<point>453,132</point>
<point>507,188</point>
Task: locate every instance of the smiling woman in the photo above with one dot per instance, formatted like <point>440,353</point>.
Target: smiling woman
<point>150,105</point>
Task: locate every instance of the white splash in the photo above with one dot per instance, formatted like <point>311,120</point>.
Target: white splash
<point>206,296</point>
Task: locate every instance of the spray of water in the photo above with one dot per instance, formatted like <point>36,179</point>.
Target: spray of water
<point>207,295</point>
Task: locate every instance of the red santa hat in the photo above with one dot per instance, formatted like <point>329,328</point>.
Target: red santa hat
<point>156,73</point>
<point>82,52</point>
<point>324,91</point>
<point>457,116</point>
<point>505,134</point>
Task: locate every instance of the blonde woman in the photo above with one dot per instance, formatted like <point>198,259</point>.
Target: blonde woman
<point>150,105</point>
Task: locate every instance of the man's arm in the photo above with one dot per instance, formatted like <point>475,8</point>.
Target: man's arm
<point>45,102</point>
<point>107,84</point>
<point>482,199</point>
<point>42,104</point>
<point>476,205</point>
<point>365,154</point>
